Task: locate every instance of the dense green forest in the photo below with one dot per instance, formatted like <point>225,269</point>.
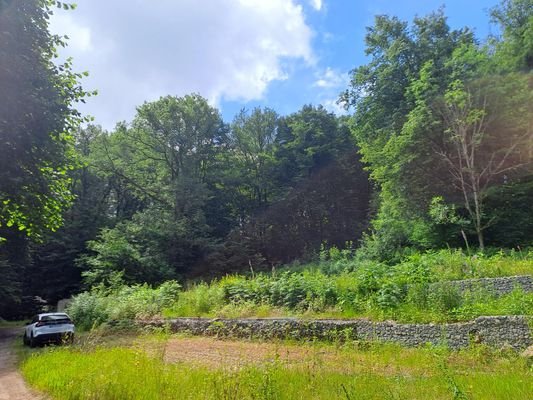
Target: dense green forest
<point>435,153</point>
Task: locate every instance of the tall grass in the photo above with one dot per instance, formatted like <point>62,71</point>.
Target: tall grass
<point>374,372</point>
<point>418,304</point>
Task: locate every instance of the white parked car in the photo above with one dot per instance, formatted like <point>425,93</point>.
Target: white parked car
<point>49,327</point>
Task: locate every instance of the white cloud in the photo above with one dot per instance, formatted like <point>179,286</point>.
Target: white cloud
<point>330,84</point>
<point>223,49</point>
<point>316,4</point>
<point>332,106</point>
<point>79,37</point>
<point>331,79</point>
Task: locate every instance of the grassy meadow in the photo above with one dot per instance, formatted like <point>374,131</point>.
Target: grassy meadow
<point>144,368</point>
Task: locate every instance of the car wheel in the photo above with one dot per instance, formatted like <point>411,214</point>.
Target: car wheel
<point>33,342</point>
<point>25,339</point>
<point>69,338</point>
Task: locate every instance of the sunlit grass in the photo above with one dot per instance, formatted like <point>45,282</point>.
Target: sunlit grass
<point>350,371</point>
<point>517,302</point>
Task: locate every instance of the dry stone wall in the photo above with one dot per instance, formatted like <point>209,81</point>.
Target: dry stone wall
<point>501,331</point>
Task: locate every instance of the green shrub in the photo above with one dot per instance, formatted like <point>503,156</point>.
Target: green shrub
<point>88,309</point>
<point>417,295</point>
<point>101,305</point>
<point>390,295</point>
<point>444,297</point>
<point>199,300</point>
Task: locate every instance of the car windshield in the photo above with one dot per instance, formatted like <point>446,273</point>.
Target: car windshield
<point>54,317</point>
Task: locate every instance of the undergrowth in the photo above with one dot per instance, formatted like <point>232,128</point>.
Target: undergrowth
<point>416,290</point>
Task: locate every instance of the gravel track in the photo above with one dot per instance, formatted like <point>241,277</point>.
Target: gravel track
<point>12,385</point>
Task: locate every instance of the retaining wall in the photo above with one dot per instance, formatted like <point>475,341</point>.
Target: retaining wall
<point>513,331</point>
<point>497,286</point>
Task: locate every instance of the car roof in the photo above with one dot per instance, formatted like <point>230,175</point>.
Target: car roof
<point>52,313</point>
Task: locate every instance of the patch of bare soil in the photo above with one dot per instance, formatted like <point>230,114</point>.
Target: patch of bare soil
<point>12,385</point>
<point>235,354</point>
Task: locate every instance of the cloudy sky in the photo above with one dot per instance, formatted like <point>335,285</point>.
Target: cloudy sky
<point>236,53</point>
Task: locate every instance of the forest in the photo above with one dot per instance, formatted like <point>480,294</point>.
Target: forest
<point>432,162</point>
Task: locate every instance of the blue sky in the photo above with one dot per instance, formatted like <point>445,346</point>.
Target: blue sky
<point>237,53</point>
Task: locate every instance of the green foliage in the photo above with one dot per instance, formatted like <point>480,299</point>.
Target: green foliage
<point>443,213</point>
<point>100,305</point>
<point>435,117</point>
<point>252,138</point>
<point>441,126</point>
<point>515,47</point>
<point>130,249</point>
<point>198,300</point>
<point>443,298</point>
<point>511,207</point>
<point>53,271</point>
<point>486,137</point>
<point>416,290</point>
<point>9,285</point>
<point>289,171</point>
<point>166,161</point>
<point>202,199</point>
<point>37,120</point>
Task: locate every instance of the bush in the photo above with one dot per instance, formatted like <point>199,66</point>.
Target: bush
<point>88,309</point>
<point>101,305</point>
<point>199,300</point>
<point>390,295</point>
<point>444,298</point>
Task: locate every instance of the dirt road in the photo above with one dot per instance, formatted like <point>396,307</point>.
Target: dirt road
<point>12,386</point>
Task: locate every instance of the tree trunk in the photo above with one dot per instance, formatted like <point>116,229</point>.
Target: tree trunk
<point>480,239</point>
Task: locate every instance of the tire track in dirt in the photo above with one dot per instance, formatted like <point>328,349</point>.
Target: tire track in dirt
<point>12,385</point>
